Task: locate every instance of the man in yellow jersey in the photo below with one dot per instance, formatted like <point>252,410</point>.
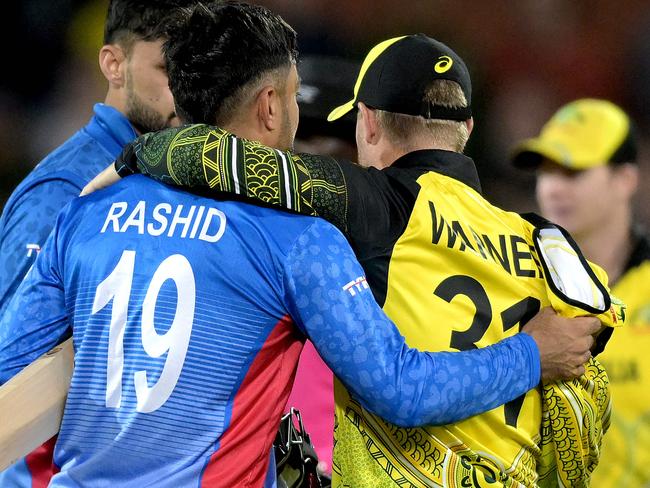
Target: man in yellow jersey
<point>587,175</point>
<point>432,248</point>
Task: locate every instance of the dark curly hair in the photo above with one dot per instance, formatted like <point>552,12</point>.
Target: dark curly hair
<point>128,21</point>
<point>216,50</point>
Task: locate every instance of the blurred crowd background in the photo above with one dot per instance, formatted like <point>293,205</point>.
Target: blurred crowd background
<point>527,57</point>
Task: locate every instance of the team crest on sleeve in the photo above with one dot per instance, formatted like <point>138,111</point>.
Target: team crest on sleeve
<point>356,286</point>
<point>617,310</point>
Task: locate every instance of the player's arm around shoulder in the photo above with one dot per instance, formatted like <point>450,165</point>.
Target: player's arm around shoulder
<point>206,158</point>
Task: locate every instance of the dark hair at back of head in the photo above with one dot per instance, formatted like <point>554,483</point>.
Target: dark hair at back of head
<point>146,20</point>
<point>219,47</point>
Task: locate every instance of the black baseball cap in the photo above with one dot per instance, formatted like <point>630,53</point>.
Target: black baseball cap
<point>397,72</point>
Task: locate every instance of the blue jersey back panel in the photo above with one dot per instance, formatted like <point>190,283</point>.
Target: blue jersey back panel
<point>194,290</point>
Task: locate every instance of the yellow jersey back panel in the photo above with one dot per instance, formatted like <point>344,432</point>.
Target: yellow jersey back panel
<point>464,262</point>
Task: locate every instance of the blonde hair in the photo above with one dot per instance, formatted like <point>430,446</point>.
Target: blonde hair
<point>406,131</point>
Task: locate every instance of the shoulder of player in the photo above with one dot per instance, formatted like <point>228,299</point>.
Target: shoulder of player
<point>78,158</point>
<point>313,235</point>
<point>636,276</point>
<point>74,162</point>
<point>54,189</point>
<point>634,285</point>
<point>640,253</point>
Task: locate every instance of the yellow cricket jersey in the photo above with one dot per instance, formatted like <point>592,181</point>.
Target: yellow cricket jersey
<point>625,460</point>
<point>461,276</point>
<point>464,274</point>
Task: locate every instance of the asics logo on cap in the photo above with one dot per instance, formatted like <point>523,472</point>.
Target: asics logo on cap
<point>444,64</point>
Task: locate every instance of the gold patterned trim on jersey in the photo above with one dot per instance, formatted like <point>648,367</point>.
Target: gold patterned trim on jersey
<point>575,417</point>
<point>414,457</point>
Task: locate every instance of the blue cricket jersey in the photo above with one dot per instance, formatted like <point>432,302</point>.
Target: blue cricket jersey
<point>30,212</point>
<point>28,217</point>
<point>188,318</point>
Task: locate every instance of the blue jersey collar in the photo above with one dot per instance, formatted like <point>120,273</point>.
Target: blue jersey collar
<point>110,128</point>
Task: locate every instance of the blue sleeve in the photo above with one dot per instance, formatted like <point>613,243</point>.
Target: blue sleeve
<point>25,227</point>
<point>36,319</point>
<point>329,299</point>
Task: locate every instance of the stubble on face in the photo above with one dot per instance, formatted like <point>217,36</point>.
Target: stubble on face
<point>142,116</point>
<point>287,134</point>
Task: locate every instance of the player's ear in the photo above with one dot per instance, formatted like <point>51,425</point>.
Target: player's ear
<point>470,125</point>
<point>269,108</point>
<point>112,62</point>
<point>628,178</point>
<point>368,120</point>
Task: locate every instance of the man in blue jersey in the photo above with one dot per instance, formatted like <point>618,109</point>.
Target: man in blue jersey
<point>189,322</point>
<point>138,100</point>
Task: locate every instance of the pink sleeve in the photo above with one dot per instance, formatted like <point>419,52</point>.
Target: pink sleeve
<point>313,395</point>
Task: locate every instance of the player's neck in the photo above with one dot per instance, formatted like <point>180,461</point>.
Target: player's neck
<point>392,153</point>
<point>250,128</point>
<point>115,100</point>
<point>610,245</point>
